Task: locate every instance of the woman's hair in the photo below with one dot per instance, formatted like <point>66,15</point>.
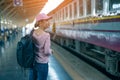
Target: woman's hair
<point>36,24</point>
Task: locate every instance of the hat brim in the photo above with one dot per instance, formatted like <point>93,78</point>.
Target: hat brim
<point>43,16</point>
<point>49,17</point>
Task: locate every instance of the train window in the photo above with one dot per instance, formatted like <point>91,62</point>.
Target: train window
<point>88,6</point>
<point>60,15</point>
<point>99,6</point>
<point>63,14</point>
<point>66,12</point>
<point>114,5</point>
<point>70,11</point>
<point>75,9</point>
<point>81,7</point>
<point>56,16</point>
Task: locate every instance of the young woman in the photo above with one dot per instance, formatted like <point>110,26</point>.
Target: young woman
<point>40,69</point>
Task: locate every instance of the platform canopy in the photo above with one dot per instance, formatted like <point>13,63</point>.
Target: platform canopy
<point>20,12</point>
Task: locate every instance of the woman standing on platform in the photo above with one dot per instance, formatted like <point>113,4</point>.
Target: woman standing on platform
<point>40,69</point>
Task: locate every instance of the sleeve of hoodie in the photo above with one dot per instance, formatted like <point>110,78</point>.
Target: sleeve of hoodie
<point>47,49</point>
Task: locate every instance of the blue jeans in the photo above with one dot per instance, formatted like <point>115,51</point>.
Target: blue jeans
<point>39,72</point>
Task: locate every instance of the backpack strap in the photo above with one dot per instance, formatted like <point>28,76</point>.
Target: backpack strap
<point>31,33</point>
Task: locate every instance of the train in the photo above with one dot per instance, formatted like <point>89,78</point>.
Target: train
<point>91,28</point>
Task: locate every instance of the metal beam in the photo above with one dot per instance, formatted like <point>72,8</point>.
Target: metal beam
<point>35,5</point>
<point>6,8</point>
<point>32,1</point>
<point>10,12</point>
<point>1,2</point>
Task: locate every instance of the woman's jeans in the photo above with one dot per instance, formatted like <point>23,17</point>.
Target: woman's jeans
<point>39,72</point>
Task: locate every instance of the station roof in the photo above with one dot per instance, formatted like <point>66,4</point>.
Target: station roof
<point>21,12</point>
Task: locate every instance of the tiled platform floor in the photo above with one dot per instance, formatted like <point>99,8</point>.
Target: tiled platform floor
<point>10,70</point>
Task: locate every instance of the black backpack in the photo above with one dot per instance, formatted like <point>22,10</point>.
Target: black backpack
<point>25,51</point>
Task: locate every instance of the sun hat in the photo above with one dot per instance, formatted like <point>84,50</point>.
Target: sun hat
<point>42,16</point>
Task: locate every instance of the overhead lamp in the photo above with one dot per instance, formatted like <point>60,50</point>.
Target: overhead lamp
<point>17,2</point>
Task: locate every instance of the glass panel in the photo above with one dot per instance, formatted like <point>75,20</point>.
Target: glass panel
<point>99,6</point>
<point>114,5</point>
<point>88,6</point>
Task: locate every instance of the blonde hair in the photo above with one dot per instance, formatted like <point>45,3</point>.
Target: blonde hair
<point>36,24</point>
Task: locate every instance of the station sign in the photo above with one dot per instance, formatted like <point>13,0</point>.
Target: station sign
<point>17,2</point>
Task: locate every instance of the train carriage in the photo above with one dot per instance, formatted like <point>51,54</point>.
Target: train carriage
<point>90,28</point>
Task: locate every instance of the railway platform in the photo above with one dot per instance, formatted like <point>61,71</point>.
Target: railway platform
<point>62,65</point>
